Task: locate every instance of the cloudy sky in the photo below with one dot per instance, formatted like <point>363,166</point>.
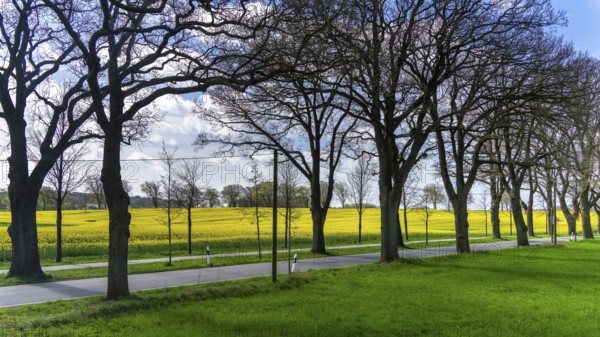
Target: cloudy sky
<point>180,127</point>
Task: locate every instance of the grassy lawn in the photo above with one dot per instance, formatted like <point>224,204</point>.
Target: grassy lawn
<point>541,291</point>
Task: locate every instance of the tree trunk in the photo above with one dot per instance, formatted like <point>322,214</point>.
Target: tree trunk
<point>117,202</point>
<point>495,208</point>
<point>586,208</point>
<point>520,226</point>
<point>598,220</point>
<point>318,219</point>
<point>59,202</point>
<point>571,218</point>
<point>189,218</point>
<point>257,215</point>
<point>287,218</point>
<point>23,193</point>
<point>360,214</point>
<point>400,239</point>
<point>530,208</point>
<point>461,225</point>
<point>389,227</point>
<point>405,222</point>
<point>25,261</point>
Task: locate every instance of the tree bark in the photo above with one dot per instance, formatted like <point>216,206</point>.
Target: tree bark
<point>389,227</point>
<point>23,193</point>
<point>318,212</point>
<point>530,208</point>
<point>318,219</point>
<point>25,261</point>
<point>571,218</point>
<point>496,197</point>
<point>520,226</point>
<point>360,215</point>
<point>117,201</point>
<point>59,202</point>
<point>461,225</point>
<point>586,208</point>
<point>400,238</point>
<point>405,222</point>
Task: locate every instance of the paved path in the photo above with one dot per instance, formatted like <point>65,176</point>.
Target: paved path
<point>64,290</point>
<point>203,257</point>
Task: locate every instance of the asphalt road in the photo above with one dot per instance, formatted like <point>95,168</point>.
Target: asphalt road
<point>65,290</point>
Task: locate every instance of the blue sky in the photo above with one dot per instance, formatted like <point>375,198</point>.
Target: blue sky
<point>584,23</point>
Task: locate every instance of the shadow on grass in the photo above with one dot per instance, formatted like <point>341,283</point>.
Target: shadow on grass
<point>44,278</point>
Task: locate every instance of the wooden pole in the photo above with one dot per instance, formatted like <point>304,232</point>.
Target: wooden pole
<point>274,253</point>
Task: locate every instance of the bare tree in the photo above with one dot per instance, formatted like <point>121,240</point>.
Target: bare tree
<point>290,178</point>
<point>67,175</point>
<point>403,56</point>
<point>29,75</point>
<point>484,203</point>
<point>189,173</point>
<point>168,158</point>
<point>254,176</point>
<point>426,212</point>
<point>138,52</point>
<point>409,200</point>
<point>303,102</point>
<point>341,191</point>
<point>152,191</point>
<point>93,185</point>
<point>359,186</point>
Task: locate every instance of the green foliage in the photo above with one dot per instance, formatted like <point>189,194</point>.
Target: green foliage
<point>502,293</point>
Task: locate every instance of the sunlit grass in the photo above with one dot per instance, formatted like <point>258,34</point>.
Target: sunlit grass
<point>500,293</point>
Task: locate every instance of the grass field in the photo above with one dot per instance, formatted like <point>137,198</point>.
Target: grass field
<point>85,234</point>
<point>547,291</point>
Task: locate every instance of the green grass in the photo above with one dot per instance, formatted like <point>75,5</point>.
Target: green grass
<point>547,291</point>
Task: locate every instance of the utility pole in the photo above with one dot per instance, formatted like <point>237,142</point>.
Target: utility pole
<point>274,252</point>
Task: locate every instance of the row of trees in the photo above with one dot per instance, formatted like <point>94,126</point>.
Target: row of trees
<point>476,84</point>
<point>99,66</point>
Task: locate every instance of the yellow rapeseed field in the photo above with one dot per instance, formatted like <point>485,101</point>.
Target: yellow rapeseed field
<point>85,233</point>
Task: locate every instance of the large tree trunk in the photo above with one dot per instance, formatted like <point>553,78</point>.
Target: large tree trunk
<point>461,224</point>
<point>389,227</point>
<point>586,208</point>
<point>520,226</point>
<point>23,193</point>
<point>117,201</point>
<point>25,261</point>
<point>318,211</point>
<point>318,219</point>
